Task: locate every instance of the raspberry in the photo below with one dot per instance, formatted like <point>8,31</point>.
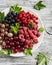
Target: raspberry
<point>21,36</point>
<point>27,41</point>
<point>35,40</point>
<point>31,45</point>
<point>31,34</point>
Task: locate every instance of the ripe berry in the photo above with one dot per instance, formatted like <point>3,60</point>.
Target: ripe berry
<point>11,39</point>
<point>15,50</point>
<point>38,34</point>
<point>31,45</point>
<point>7,46</point>
<point>35,40</point>
<point>2,34</point>
<point>3,47</point>
<point>27,41</point>
<point>7,42</point>
<point>21,36</point>
<point>16,38</point>
<point>22,49</point>
<point>12,43</point>
<point>18,46</point>
<point>17,43</point>
<point>22,40</point>
<point>26,46</point>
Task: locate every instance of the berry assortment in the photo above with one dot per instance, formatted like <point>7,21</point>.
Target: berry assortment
<point>23,34</point>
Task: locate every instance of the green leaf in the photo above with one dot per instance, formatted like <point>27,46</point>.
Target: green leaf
<point>15,28</point>
<point>41,29</point>
<point>28,51</point>
<point>6,52</point>
<point>15,8</point>
<point>9,52</point>
<point>30,25</point>
<point>42,59</point>
<point>1,16</point>
<point>39,5</point>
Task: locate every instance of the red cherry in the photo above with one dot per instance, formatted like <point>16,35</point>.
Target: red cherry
<point>8,46</point>
<point>26,46</point>
<point>15,38</point>
<point>17,43</point>
<point>12,43</point>
<point>6,38</point>
<point>15,50</point>
<point>3,47</point>
<point>2,34</point>
<point>7,42</point>
<point>22,49</point>
<point>18,46</point>
<point>11,39</point>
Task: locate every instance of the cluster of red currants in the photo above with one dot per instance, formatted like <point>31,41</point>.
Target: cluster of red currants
<point>25,17</point>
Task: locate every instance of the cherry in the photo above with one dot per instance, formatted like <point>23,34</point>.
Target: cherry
<point>2,34</point>
<point>3,47</point>
<point>12,43</point>
<point>26,46</point>
<point>17,43</point>
<point>6,38</point>
<point>7,42</point>
<point>11,39</point>
<point>22,49</point>
<point>7,46</point>
<point>18,46</point>
<point>15,50</point>
<point>16,38</point>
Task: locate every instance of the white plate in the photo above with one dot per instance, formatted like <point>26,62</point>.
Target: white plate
<point>40,25</point>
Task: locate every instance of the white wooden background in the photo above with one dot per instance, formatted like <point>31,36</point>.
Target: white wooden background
<point>46,46</point>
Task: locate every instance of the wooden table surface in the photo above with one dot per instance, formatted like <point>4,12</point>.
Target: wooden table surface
<point>46,46</point>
